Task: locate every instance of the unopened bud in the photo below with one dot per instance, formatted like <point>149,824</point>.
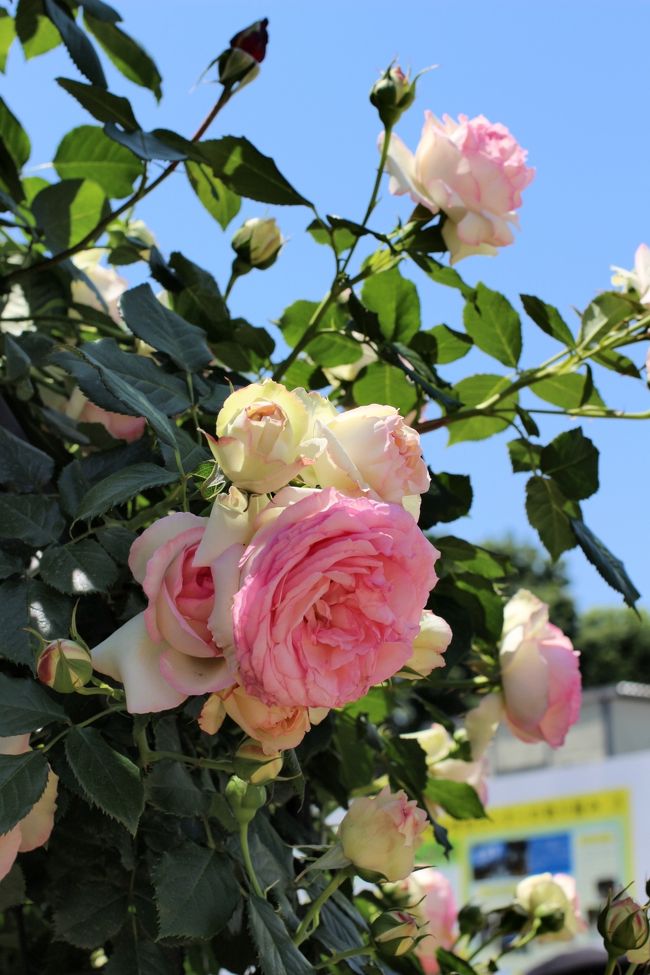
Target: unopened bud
<point>392,94</point>
<point>64,666</point>
<point>551,922</point>
<point>470,919</point>
<point>397,932</point>
<point>244,799</point>
<point>252,764</point>
<point>624,926</point>
<point>240,62</point>
<point>257,244</point>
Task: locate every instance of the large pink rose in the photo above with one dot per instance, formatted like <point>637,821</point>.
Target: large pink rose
<point>540,673</point>
<point>332,590</point>
<point>34,830</point>
<point>188,568</point>
<point>431,898</point>
<point>473,170</point>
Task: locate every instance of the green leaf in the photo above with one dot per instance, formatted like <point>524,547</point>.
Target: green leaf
<point>386,384</point>
<point>395,301</point>
<point>616,362</point>
<point>68,211</point>
<point>458,799</point>
<point>22,466</point>
<point>22,783</point>
<point>10,564</point>
<point>461,556</point>
<point>524,455</point>
<point>604,314</point>
<point>36,32</point>
<point>100,10</point>
<point>572,461</point>
<point>77,44</point>
<point>109,780</point>
<point>546,510</point>
<point>200,301</point>
<point>164,329</point>
<point>567,391</point>
<point>408,764</point>
<point>608,565</point>
<point>170,788</point>
<point>91,913</point>
<point>333,349</point>
<point>12,889</point>
<point>451,964</point>
<point>340,238</point>
<point>101,104</point>
<point>14,137</point>
<point>117,541</point>
<point>449,497</point>
<point>294,320</point>
<point>274,948</point>
<point>196,892</point>
<point>32,518</point>
<point>122,486</point>
<point>148,145</point>
<point>356,758</point>
<point>7,35</point>
<point>126,54</point>
<point>78,568</point>
<point>35,605</point>
<point>476,390</point>
<point>548,318</point>
<point>26,706</point>
<point>442,274</point>
<point>494,325</point>
<point>450,344</point>
<point>247,172</point>
<point>220,202</point>
<point>17,361</point>
<point>137,956</point>
<point>87,153</point>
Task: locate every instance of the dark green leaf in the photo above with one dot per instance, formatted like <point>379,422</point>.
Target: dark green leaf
<point>126,54</point>
<point>36,32</point>
<point>605,313</point>
<point>494,325</point>
<point>26,706</point>
<point>474,391</point>
<point>616,362</point>
<point>450,344</point>
<point>14,137</point>
<point>546,510</point>
<point>117,541</point>
<point>449,497</point>
<point>524,455</point>
<point>451,964</point>
<point>199,301</point>
<point>109,780</point>
<point>78,46</point>
<point>220,202</point>
<point>567,391</point>
<point>146,145</point>
<point>22,466</point>
<point>68,211</point>
<point>12,889</point>
<point>196,892</point>
<point>458,799</point>
<point>442,274</point>
<point>170,788</point>
<point>386,384</point>
<point>247,172</point>
<point>572,461</point>
<point>548,318</point>
<point>356,758</point>
<point>87,153</point>
<point>100,10</point>
<point>164,329</point>
<point>7,35</point>
<point>32,518</point>
<point>461,556</point>
<point>408,764</point>
<point>17,361</point>
<point>123,486</point>
<point>138,956</point>
<point>22,782</point>
<point>609,566</point>
<point>91,913</point>
<point>274,948</point>
<point>101,104</point>
<point>78,568</point>
<point>10,564</point>
<point>395,301</point>
<point>35,605</point>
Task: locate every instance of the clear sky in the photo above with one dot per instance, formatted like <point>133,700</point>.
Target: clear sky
<point>568,78</point>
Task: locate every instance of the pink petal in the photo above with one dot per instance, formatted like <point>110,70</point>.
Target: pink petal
<point>37,825</point>
<point>157,535</point>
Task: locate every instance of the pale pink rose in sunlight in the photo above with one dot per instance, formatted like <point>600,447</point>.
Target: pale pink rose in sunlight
<point>429,647</point>
<point>637,279</point>
<point>473,170</point>
<point>372,451</point>
<point>34,830</point>
<point>110,286</point>
<point>332,591</point>
<point>119,425</point>
<point>382,833</point>
<point>188,568</point>
<point>540,673</point>
<point>274,727</point>
<point>543,893</point>
<point>431,898</point>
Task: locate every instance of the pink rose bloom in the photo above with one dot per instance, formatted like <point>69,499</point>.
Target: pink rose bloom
<point>431,898</point>
<point>119,425</point>
<point>274,727</point>
<point>188,568</point>
<point>540,673</point>
<point>34,830</point>
<point>382,833</point>
<point>332,591</point>
<point>473,170</point>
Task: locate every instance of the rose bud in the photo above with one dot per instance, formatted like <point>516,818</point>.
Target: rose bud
<point>392,94</point>
<point>544,897</point>
<point>257,244</point>
<point>64,666</point>
<point>397,932</point>
<point>244,799</point>
<point>381,833</point>
<point>240,63</point>
<point>253,39</point>
<point>624,926</point>
<point>252,764</point>
<point>428,647</point>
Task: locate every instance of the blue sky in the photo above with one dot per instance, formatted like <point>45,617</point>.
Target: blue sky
<point>566,78</point>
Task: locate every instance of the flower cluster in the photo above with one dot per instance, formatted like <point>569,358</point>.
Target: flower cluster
<point>303,587</point>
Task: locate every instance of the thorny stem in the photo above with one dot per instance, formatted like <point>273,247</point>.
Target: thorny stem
<point>310,920</point>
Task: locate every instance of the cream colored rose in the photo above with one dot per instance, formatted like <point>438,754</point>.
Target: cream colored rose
<point>428,647</point>
<point>107,282</point>
<point>263,437</point>
<point>382,833</point>
<point>543,893</point>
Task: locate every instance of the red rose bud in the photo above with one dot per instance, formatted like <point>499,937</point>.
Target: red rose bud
<point>624,926</point>
<point>240,63</point>
<point>253,39</point>
<point>397,932</point>
<point>392,94</point>
<point>64,666</point>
